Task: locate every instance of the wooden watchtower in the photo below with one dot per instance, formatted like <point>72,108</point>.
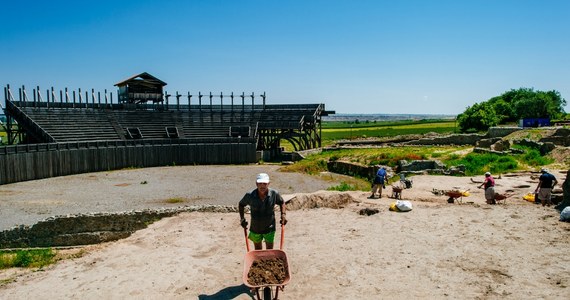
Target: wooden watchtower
<point>141,88</point>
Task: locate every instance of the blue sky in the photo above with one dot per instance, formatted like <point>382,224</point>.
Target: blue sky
<point>409,56</point>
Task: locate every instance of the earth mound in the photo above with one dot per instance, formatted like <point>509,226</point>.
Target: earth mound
<point>329,199</point>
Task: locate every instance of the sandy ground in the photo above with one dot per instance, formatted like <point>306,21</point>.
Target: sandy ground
<point>437,251</point>
<point>26,203</point>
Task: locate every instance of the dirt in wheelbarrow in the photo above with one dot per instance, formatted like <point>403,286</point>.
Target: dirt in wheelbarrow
<point>267,271</point>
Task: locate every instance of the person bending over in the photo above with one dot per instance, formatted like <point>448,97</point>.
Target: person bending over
<point>379,182</point>
<point>489,185</point>
<point>546,183</point>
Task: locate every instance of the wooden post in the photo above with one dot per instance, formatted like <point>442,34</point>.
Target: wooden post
<point>40,99</point>
<point>47,99</point>
<point>73,99</point>
<point>106,98</point>
<point>178,100</point>
<point>189,102</point>
<point>25,96</point>
<point>86,98</point>
<point>79,93</point>
<point>232,106</point>
<point>166,95</point>
<point>10,96</point>
<point>200,100</point>
<point>52,95</point>
<point>221,102</point>
<point>210,101</point>
<point>263,97</point>
<point>242,103</point>
<point>252,101</point>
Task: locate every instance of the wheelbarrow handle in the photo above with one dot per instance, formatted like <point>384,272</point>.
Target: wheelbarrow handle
<point>246,241</point>
<point>282,237</point>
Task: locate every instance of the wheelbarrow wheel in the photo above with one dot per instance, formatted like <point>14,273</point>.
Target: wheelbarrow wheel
<point>267,293</point>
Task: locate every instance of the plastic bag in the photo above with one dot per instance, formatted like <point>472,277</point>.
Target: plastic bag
<point>565,214</point>
<point>529,197</point>
<point>404,205</point>
<point>393,207</point>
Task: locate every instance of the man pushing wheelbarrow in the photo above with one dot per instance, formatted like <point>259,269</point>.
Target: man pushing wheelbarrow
<point>262,202</point>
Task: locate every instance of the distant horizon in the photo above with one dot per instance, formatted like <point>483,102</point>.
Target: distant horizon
<point>385,117</point>
<point>388,114</point>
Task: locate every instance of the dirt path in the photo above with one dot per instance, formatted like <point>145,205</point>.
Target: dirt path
<point>26,203</point>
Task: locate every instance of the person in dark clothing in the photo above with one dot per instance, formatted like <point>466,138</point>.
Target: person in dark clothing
<point>546,182</point>
<point>565,193</point>
<point>379,182</point>
<point>261,202</point>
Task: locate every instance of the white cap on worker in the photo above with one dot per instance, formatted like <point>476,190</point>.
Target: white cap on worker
<point>544,170</point>
<point>487,173</point>
<point>262,178</point>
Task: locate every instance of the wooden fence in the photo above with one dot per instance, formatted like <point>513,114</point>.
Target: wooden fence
<point>37,161</point>
<point>95,99</point>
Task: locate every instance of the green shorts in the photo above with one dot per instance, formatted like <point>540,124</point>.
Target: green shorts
<point>258,237</point>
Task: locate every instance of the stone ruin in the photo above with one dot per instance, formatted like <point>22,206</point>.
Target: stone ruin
<point>85,229</point>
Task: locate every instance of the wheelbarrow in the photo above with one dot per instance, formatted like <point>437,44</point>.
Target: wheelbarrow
<point>270,290</point>
<point>456,195</point>
<point>397,192</point>
<point>502,197</point>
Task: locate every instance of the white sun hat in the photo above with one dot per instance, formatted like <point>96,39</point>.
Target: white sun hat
<point>262,178</point>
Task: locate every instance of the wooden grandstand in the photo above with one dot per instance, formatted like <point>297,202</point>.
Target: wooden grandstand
<point>96,118</point>
<point>38,122</point>
<point>219,132</point>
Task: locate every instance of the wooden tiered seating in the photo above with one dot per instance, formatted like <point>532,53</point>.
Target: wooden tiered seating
<point>90,124</point>
<point>150,123</point>
<point>68,125</point>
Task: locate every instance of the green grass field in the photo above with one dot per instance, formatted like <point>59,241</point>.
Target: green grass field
<point>475,163</point>
<point>344,131</point>
<point>333,131</point>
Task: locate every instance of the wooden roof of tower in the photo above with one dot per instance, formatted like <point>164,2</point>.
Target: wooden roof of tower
<point>144,76</point>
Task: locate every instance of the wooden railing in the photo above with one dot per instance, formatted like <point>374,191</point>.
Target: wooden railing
<point>36,161</point>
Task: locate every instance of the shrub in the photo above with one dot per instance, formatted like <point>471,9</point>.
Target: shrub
<point>533,158</point>
<point>343,187</point>
<point>312,166</point>
<point>26,258</point>
<point>478,163</point>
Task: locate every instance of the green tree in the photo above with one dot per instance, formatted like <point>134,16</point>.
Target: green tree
<point>512,106</point>
<point>478,117</point>
<point>504,110</point>
<point>528,103</point>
